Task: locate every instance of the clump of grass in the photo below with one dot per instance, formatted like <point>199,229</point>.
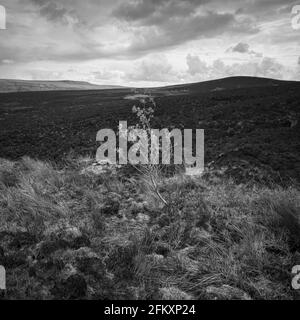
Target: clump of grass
<point>209,234</point>
<point>284,208</point>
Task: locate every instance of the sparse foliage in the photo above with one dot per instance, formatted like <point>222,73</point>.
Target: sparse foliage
<point>215,240</point>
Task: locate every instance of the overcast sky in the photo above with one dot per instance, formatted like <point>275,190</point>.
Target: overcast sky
<point>148,42</point>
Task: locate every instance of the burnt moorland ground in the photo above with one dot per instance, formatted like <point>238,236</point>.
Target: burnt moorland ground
<point>251,125</point>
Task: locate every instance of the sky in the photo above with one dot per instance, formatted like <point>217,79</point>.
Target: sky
<point>148,42</point>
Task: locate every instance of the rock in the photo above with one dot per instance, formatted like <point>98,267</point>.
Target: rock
<point>226,292</point>
<point>173,293</point>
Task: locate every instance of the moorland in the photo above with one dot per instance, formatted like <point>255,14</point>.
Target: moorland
<point>72,229</point>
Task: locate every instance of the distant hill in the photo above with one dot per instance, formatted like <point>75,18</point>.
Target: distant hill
<point>11,85</point>
<point>8,85</point>
<point>226,84</point>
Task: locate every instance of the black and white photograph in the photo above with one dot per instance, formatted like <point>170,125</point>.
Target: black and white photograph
<point>149,151</point>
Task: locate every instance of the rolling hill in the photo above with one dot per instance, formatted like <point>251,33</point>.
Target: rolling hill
<point>224,84</point>
<point>9,85</point>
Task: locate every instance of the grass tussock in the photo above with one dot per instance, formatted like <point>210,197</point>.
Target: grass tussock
<point>79,232</point>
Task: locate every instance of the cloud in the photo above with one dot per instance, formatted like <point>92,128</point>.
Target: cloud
<point>148,40</point>
<point>269,7</point>
<point>155,12</point>
<point>154,69</point>
<point>266,67</point>
<point>195,65</point>
<point>6,61</point>
<point>107,75</point>
<point>241,48</point>
<point>269,67</point>
<point>169,23</point>
<point>184,29</point>
<point>244,48</point>
<point>132,30</point>
<point>55,11</point>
